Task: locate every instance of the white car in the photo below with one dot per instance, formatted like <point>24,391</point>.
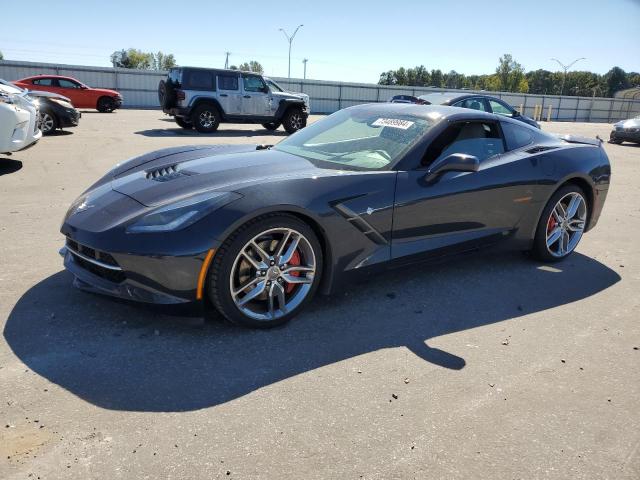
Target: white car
<point>19,118</point>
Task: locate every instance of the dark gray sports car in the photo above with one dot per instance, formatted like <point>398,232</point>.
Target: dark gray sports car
<point>256,230</point>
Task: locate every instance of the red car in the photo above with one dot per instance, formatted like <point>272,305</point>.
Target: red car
<point>80,94</point>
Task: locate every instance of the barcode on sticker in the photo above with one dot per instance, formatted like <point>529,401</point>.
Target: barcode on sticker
<point>393,123</point>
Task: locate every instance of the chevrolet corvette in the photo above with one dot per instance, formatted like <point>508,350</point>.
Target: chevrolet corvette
<point>255,231</point>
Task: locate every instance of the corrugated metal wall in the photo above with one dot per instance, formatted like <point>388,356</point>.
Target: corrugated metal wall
<point>139,89</point>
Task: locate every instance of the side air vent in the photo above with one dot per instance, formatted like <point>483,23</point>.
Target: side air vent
<point>540,148</point>
<point>164,174</point>
<point>360,223</point>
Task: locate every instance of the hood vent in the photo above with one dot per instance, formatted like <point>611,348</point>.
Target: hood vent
<point>540,148</point>
<point>164,174</point>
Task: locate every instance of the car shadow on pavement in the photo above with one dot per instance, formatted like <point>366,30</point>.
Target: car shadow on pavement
<point>220,133</point>
<point>125,356</point>
<point>8,165</point>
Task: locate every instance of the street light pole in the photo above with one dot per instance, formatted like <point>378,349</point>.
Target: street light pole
<point>566,68</point>
<point>226,62</point>
<point>290,40</point>
<point>305,68</point>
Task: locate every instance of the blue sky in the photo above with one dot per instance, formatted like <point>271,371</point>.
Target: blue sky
<point>343,40</point>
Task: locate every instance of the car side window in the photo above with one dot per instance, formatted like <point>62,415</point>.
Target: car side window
<point>516,136</point>
<point>65,83</point>
<point>480,139</point>
<point>473,104</point>
<point>252,83</point>
<point>499,108</point>
<point>43,82</point>
<point>199,80</point>
<point>228,82</point>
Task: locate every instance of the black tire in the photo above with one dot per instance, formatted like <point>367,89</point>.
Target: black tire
<point>540,250</point>
<point>183,123</point>
<point>271,126</point>
<point>106,105</point>
<point>615,141</point>
<point>206,118</point>
<point>294,120</point>
<point>218,280</point>
<point>162,92</point>
<point>48,122</point>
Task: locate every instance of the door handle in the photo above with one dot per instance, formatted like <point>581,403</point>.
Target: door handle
<point>224,95</point>
<point>247,96</point>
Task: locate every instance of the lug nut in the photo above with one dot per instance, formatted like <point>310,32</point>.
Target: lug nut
<point>272,263</point>
<point>280,280</point>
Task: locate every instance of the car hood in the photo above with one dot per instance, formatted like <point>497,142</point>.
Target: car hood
<point>631,123</point>
<point>172,174</point>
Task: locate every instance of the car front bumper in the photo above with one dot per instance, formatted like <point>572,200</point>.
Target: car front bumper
<point>625,135</point>
<point>148,279</point>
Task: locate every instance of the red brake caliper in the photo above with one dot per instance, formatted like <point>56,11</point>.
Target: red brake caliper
<point>551,224</point>
<point>295,260</point>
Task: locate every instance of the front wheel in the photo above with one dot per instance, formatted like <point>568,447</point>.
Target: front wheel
<point>106,105</point>
<point>562,224</point>
<point>294,120</point>
<point>48,122</point>
<point>266,271</point>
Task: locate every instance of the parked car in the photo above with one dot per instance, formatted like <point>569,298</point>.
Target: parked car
<point>626,131</point>
<point>406,99</point>
<point>18,119</point>
<point>474,101</point>
<point>203,98</point>
<point>81,95</point>
<point>56,111</point>
<point>257,230</point>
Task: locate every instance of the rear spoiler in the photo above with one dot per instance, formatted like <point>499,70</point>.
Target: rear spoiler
<point>580,139</point>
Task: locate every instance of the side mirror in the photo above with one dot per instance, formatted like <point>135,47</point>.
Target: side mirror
<point>515,113</point>
<point>456,162</point>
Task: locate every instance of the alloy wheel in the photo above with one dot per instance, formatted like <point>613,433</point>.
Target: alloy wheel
<point>566,224</point>
<point>296,121</point>
<point>46,122</point>
<point>207,119</point>
<point>272,274</point>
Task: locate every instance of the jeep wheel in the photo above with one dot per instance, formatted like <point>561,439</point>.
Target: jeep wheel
<point>206,118</point>
<point>294,120</point>
<point>182,122</point>
<point>271,126</point>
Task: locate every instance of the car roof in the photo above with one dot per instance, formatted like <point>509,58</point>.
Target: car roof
<point>429,112</point>
<point>43,75</point>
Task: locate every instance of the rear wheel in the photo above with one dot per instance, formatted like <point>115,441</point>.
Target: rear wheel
<point>183,123</point>
<point>48,122</point>
<point>615,141</point>
<point>106,105</point>
<point>562,224</point>
<point>266,271</point>
<point>271,126</point>
<point>206,118</point>
<point>294,120</point>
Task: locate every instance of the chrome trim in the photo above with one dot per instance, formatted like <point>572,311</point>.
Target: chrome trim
<point>91,260</point>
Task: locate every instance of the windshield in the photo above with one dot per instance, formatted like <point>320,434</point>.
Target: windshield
<point>357,139</point>
<point>273,85</point>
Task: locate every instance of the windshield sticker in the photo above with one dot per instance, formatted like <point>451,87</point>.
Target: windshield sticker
<point>393,123</point>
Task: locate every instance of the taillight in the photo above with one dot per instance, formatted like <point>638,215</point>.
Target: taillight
<point>180,95</point>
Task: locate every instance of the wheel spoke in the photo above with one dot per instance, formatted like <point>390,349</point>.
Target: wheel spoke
<point>575,202</point>
<point>576,225</point>
<point>283,243</point>
<point>564,242</point>
<point>253,293</point>
<point>250,283</point>
<point>553,237</point>
<point>264,256</point>
<point>252,261</point>
<point>286,258</point>
<point>276,292</point>
<point>297,280</point>
<point>559,211</point>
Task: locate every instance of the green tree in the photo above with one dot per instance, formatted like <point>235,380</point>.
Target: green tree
<point>387,78</point>
<point>437,78</point>
<point>615,80</point>
<point>510,73</point>
<point>1,56</point>
<point>252,66</point>
<point>134,58</point>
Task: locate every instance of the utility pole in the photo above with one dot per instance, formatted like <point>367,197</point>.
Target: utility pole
<point>290,40</point>
<point>226,62</point>
<point>305,68</point>
<point>566,68</point>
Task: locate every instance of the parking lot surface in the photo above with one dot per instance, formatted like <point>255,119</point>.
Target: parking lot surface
<point>492,366</point>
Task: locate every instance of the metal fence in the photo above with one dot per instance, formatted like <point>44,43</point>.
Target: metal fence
<point>139,90</point>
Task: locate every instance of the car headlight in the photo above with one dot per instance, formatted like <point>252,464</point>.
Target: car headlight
<point>179,215</point>
<point>6,98</point>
